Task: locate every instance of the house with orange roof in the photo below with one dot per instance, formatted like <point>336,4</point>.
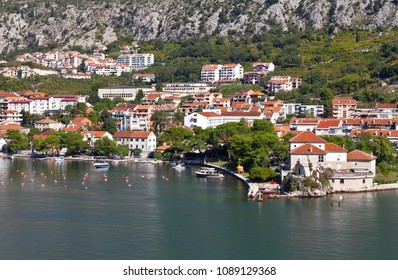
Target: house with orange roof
<point>231,72</point>
<point>78,124</point>
<point>206,97</point>
<point>212,73</point>
<point>10,116</point>
<point>44,134</point>
<point>351,171</point>
<point>151,99</point>
<point>92,136</point>
<point>132,116</point>
<point>343,108</point>
<point>45,124</point>
<point>282,129</point>
<point>283,83</point>
<point>240,106</point>
<point>189,107</point>
<point>5,127</point>
<point>143,140</point>
<point>386,107</point>
<point>272,114</point>
<point>145,77</point>
<point>224,102</point>
<point>254,77</point>
<point>329,127</point>
<point>242,96</point>
<point>304,124</point>
<point>259,73</point>
<point>263,66</point>
<point>391,135</point>
<point>213,118</point>
<point>170,99</point>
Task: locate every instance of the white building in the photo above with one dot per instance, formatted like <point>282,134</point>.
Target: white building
<point>212,73</point>
<point>184,89</point>
<point>48,124</point>
<point>298,108</point>
<point>92,136</point>
<point>350,171</point>
<point>231,72</point>
<point>263,67</point>
<point>137,61</point>
<point>213,118</point>
<point>343,108</point>
<point>143,140</point>
<point>145,77</point>
<point>283,83</point>
<point>19,105</point>
<point>128,93</point>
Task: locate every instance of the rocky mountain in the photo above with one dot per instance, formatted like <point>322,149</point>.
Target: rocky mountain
<point>29,23</point>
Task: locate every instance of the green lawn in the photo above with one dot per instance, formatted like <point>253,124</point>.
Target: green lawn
<point>391,177</point>
<point>230,166</point>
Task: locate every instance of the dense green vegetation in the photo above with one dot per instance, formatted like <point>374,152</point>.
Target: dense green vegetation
<point>348,63</point>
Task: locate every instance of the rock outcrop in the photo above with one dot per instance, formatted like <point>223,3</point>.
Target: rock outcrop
<point>31,24</point>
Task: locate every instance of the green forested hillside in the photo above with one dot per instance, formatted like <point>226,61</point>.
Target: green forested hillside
<point>350,62</point>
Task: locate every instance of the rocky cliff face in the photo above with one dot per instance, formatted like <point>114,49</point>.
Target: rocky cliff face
<point>28,24</point>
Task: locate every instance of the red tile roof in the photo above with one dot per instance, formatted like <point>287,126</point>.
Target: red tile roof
<point>208,114</point>
<point>307,137</point>
<point>242,114</point>
<point>307,149</point>
<point>333,148</point>
<point>132,134</point>
<point>358,155</point>
<point>295,120</point>
<point>45,121</point>
<point>327,123</point>
<point>210,67</point>
<point>10,127</point>
<point>386,105</point>
<point>344,102</point>
<point>96,134</point>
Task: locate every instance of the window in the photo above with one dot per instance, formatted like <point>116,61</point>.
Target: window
<point>363,181</point>
<point>341,181</point>
<point>320,158</point>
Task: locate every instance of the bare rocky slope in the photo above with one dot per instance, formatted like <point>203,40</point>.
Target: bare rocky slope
<point>29,24</point>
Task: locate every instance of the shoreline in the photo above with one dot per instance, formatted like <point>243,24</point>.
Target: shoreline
<point>87,158</point>
<point>254,189</point>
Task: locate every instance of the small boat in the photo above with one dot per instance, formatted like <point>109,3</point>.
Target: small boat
<point>101,164</point>
<point>60,158</point>
<point>178,167</point>
<point>208,172</point>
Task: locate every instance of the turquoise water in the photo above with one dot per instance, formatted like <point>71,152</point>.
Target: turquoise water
<point>183,217</point>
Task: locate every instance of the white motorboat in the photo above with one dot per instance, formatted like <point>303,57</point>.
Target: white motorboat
<point>101,164</point>
<point>178,167</point>
<point>208,172</point>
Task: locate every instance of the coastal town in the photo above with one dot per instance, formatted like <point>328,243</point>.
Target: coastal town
<point>139,121</point>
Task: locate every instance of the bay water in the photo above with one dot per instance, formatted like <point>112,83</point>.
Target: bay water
<point>48,211</point>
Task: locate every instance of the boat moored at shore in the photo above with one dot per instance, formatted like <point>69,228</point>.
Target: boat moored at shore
<point>208,172</point>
